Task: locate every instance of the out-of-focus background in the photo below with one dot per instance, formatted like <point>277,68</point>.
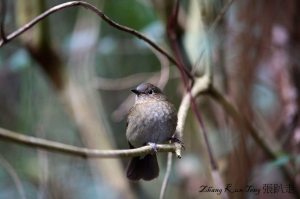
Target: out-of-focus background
<point>68,79</point>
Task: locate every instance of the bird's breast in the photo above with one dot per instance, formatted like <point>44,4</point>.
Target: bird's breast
<point>151,122</point>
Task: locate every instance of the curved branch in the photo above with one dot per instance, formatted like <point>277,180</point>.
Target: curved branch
<point>201,85</point>
<point>84,152</point>
<point>102,15</point>
<point>173,40</point>
<point>12,172</point>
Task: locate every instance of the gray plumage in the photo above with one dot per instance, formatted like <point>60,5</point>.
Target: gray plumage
<point>152,119</point>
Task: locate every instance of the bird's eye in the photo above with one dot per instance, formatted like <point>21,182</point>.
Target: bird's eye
<point>150,92</point>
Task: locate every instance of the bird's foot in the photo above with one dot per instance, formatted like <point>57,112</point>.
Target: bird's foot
<point>154,147</point>
<point>173,139</point>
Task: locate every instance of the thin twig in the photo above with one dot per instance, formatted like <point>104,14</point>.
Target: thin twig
<point>175,47</point>
<point>14,176</point>
<point>102,15</point>
<point>172,37</point>
<point>208,75</point>
<point>84,152</point>
<point>166,178</point>
<point>201,86</point>
<point>219,17</point>
<point>211,29</point>
<point>2,18</point>
<point>42,155</point>
<point>164,71</point>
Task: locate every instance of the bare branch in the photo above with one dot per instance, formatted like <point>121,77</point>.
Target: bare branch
<point>209,82</point>
<point>167,175</point>
<point>164,71</point>
<point>219,17</point>
<point>102,15</point>
<point>84,152</point>
<point>14,176</point>
<point>201,85</point>
<point>172,37</point>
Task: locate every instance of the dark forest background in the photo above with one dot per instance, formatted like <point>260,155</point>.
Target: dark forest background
<point>68,79</point>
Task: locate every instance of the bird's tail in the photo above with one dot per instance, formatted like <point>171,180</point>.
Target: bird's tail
<point>142,168</point>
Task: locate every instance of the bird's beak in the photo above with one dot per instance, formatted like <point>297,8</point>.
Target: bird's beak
<point>135,91</point>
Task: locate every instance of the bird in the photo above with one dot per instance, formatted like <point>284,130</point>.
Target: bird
<point>152,120</point>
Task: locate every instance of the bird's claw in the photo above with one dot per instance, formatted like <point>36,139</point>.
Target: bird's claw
<point>153,145</point>
<point>173,139</point>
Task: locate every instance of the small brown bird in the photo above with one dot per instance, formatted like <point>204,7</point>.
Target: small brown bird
<point>152,120</point>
